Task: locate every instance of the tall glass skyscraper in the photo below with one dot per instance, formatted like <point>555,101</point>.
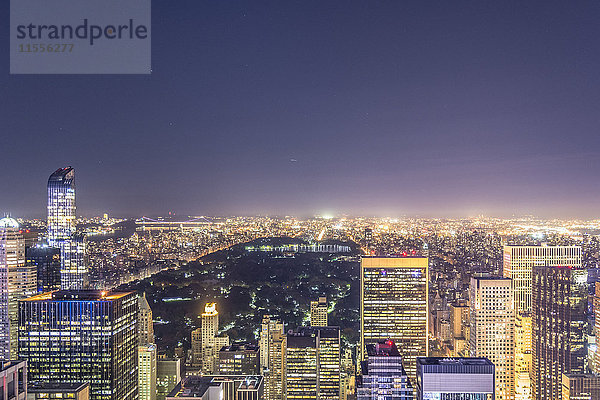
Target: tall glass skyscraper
<point>61,228</point>
<point>394,305</point>
<point>82,336</point>
<point>559,324</point>
<point>7,256</point>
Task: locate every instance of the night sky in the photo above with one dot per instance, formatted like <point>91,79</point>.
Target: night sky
<point>368,108</point>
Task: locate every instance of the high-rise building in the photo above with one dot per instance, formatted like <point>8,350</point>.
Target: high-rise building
<point>61,229</point>
<point>394,305</point>
<point>13,380</point>
<point>455,379</point>
<point>460,327</point>
<point>196,348</point>
<point>46,260</point>
<point>522,356</point>
<point>145,325</point>
<point>58,391</point>
<point>82,336</point>
<point>520,260</point>
<point>22,281</point>
<point>211,342</point>
<point>221,387</point>
<point>147,371</point>
<point>268,327</point>
<point>318,312</point>
<point>168,376</point>
<point>518,265</point>
<point>8,256</point>
<point>239,359</point>
<point>275,374</point>
<point>559,324</point>
<point>382,374</point>
<point>492,333</point>
<point>580,387</point>
<point>313,363</point>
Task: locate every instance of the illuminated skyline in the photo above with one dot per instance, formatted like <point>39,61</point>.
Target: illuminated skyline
<point>287,108</point>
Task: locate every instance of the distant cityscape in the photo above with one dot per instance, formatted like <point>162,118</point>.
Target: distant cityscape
<point>277,308</point>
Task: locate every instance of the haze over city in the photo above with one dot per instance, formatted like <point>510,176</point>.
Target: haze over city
<point>279,108</point>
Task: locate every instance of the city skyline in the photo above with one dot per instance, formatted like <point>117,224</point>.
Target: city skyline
<point>283,108</point>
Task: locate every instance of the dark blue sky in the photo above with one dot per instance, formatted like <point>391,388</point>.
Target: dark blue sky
<point>429,108</point>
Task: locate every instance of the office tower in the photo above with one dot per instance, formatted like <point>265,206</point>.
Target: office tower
<point>580,387</point>
<point>197,348</point>
<point>318,312</point>
<point>145,325</point>
<point>222,387</point>
<point>62,391</point>
<point>168,376</point>
<point>8,256</point>
<point>492,333</point>
<point>275,374</point>
<point>13,380</point>
<point>268,327</point>
<point>147,371</point>
<point>46,260</point>
<point>313,363</point>
<point>61,228</point>
<point>559,324</point>
<point>239,359</point>
<point>21,282</point>
<point>347,374</point>
<point>459,327</point>
<point>522,356</point>
<point>211,343</point>
<point>518,265</point>
<point>394,305</point>
<point>455,379</point>
<point>520,260</point>
<point>382,374</point>
<point>82,336</point>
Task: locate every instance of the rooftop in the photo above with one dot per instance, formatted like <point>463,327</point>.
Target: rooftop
<point>77,295</point>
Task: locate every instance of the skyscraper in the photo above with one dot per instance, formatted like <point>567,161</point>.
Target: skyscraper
<point>8,256</point>
<point>382,374</point>
<point>559,323</point>
<point>273,345</point>
<point>145,324</point>
<point>268,327</point>
<point>168,376</point>
<point>492,333</point>
<point>239,359</point>
<point>147,372</point>
<point>455,379</point>
<point>82,336</point>
<point>61,228</point>
<point>580,387</point>
<point>22,281</point>
<point>313,363</point>
<point>318,312</point>
<point>46,260</point>
<point>394,305</point>
<point>211,343</point>
<point>519,262</point>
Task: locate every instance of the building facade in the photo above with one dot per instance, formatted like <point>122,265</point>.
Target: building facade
<point>394,305</point>
<point>82,336</point>
<point>382,374</point>
<point>46,260</point>
<point>559,325</point>
<point>580,387</point>
<point>239,359</point>
<point>318,312</point>
<point>61,229</point>
<point>147,373</point>
<point>492,333</point>
<point>455,379</point>
<point>313,363</point>
<point>210,341</point>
